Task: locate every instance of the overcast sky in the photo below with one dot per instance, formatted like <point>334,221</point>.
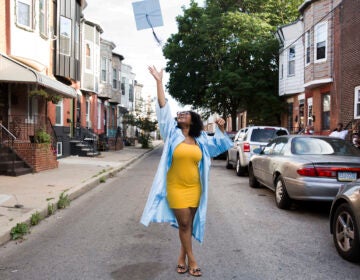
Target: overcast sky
<point>139,48</point>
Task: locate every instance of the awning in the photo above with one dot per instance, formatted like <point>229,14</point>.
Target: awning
<point>16,72</point>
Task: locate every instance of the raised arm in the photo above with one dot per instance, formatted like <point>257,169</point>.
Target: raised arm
<point>220,123</point>
<point>158,75</point>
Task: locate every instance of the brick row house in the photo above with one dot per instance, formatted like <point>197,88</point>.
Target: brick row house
<point>319,66</point>
<point>60,83</point>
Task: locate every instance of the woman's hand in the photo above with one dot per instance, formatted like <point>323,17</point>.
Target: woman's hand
<point>158,75</point>
<point>221,124</point>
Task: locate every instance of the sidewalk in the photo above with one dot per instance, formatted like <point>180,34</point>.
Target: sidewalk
<point>74,176</point>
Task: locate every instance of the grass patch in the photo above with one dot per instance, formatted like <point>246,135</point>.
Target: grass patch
<point>51,209</point>
<point>18,231</point>
<point>64,201</point>
<point>35,218</point>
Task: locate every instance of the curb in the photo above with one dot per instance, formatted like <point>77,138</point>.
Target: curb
<point>74,193</point>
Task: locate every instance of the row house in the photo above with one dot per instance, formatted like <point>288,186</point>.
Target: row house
<point>128,99</point>
<point>291,75</point>
<point>319,66</point>
<point>65,88</point>
<point>100,89</point>
<point>39,73</point>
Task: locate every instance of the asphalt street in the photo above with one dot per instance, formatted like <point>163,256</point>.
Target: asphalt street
<point>99,236</point>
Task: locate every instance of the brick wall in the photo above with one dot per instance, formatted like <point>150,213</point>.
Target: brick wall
<point>2,27</point>
<point>349,57</point>
<point>315,13</point>
<point>119,145</point>
<point>39,156</point>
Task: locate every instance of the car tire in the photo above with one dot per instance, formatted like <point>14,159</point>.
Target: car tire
<point>345,233</point>
<point>253,182</point>
<point>228,164</point>
<point>282,198</point>
<point>240,171</point>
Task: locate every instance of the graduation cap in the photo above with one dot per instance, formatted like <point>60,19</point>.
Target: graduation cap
<point>148,15</point>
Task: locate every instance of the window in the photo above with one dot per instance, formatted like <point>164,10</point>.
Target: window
<point>33,109</point>
<point>65,36</point>
<point>357,103</point>
<point>326,111</point>
<point>59,113</point>
<point>123,86</point>
<point>310,111</point>
<point>99,114</point>
<point>279,146</point>
<point>24,13</point>
<point>77,41</point>
<point>88,56</point>
<point>59,149</point>
<point>104,69</point>
<point>307,47</point>
<point>282,71</point>
<point>320,41</point>
<point>88,122</point>
<point>291,61</point>
<point>114,83</point>
<point>43,17</point>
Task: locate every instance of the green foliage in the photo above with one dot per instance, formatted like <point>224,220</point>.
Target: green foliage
<point>35,218</point>
<point>64,201</point>
<point>19,231</point>
<point>41,136</point>
<point>48,97</point>
<point>145,140</point>
<point>51,209</point>
<point>144,123</point>
<point>102,179</point>
<point>224,57</point>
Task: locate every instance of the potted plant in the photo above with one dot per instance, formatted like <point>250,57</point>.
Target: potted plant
<point>41,136</point>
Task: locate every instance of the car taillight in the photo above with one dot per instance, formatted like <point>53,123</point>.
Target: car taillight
<point>307,171</point>
<point>246,147</point>
<point>330,172</point>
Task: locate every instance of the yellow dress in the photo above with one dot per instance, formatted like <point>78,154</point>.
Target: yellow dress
<point>183,178</point>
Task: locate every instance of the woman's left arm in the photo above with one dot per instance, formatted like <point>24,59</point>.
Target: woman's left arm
<point>220,142</point>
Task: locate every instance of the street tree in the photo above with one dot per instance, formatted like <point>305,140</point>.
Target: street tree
<point>224,59</point>
<point>143,121</point>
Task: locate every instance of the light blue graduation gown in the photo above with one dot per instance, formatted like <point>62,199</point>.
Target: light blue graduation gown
<point>157,208</point>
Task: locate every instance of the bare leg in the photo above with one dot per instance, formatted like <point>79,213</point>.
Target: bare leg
<point>185,218</point>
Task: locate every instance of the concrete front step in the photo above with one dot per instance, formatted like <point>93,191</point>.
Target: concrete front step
<point>19,171</point>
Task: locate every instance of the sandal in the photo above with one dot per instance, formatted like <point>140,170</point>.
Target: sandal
<point>181,269</point>
<point>196,272</point>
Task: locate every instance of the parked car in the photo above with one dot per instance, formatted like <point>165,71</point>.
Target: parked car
<point>345,221</point>
<point>304,167</point>
<point>246,140</point>
<point>231,135</point>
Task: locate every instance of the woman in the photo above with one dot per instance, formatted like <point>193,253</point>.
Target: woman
<point>179,191</point>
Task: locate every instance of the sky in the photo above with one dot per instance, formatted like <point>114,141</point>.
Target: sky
<point>139,48</point>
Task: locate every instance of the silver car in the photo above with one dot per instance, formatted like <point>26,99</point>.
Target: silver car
<point>345,221</point>
<point>304,167</point>
<point>246,140</point>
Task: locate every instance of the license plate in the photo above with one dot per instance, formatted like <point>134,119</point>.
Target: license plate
<point>346,176</point>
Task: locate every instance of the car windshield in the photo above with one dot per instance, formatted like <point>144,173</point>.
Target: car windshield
<point>265,134</point>
<point>322,146</point>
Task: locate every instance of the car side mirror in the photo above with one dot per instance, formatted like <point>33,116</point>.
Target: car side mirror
<point>257,151</point>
